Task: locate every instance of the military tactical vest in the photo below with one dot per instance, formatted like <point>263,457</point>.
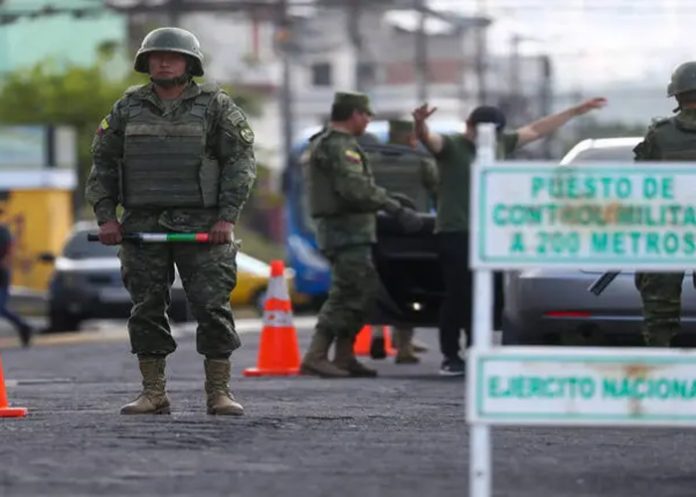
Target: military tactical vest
<point>164,160</point>
<point>337,223</point>
<point>676,140</point>
<point>323,200</point>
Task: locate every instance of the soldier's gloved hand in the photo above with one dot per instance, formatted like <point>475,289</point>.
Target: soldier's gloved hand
<point>110,232</point>
<point>222,232</point>
<point>403,199</point>
<point>409,220</point>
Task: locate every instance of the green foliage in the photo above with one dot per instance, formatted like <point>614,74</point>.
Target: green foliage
<point>53,93</point>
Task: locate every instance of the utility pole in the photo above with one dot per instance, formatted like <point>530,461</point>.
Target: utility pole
<point>515,96</point>
<point>353,25</point>
<point>481,49</point>
<point>421,52</point>
<point>174,12</point>
<point>546,97</point>
<point>283,40</point>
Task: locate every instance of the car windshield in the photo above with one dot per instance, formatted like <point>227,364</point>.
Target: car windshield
<point>617,153</point>
<point>79,248</point>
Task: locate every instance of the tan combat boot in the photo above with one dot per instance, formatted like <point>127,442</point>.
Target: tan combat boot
<point>316,361</point>
<point>217,388</point>
<point>153,399</point>
<point>345,359</point>
<point>404,348</point>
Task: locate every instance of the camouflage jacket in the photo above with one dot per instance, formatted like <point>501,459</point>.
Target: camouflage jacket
<point>343,195</point>
<point>670,139</point>
<point>228,139</point>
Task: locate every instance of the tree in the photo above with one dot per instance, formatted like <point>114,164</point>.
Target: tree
<point>51,93</point>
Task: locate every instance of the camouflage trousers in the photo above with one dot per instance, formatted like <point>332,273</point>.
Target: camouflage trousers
<point>354,284</point>
<point>208,274</point>
<point>661,295</point>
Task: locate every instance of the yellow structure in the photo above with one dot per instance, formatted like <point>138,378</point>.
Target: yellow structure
<point>37,207</point>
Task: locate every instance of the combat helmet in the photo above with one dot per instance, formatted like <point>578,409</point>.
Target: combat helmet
<point>683,79</point>
<point>170,40</point>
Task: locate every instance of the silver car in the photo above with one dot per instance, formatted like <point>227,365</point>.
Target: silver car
<point>555,307</point>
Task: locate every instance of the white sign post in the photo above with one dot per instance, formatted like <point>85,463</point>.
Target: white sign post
<point>602,216</point>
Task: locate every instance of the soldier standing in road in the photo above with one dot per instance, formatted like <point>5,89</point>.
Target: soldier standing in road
<point>401,132</point>
<point>455,154</point>
<point>344,201</point>
<point>178,157</point>
<point>668,139</point>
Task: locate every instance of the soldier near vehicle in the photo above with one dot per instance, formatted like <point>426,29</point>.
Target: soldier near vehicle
<point>177,156</point>
<point>344,201</point>
<point>454,155</point>
<point>669,139</point>
<point>402,132</point>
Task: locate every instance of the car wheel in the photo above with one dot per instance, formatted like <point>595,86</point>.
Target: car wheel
<point>62,321</point>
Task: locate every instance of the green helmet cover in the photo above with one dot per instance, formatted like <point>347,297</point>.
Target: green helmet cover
<point>170,40</point>
<point>683,79</point>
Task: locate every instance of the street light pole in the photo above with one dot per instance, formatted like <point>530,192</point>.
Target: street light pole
<point>421,52</point>
<point>282,45</point>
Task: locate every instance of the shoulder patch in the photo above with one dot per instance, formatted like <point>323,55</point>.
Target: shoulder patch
<point>353,156</point>
<point>103,126</point>
<point>246,134</point>
<point>236,116</point>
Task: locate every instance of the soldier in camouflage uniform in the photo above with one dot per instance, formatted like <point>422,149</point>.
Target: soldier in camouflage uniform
<point>669,139</point>
<point>344,201</point>
<point>402,132</point>
<point>178,157</point>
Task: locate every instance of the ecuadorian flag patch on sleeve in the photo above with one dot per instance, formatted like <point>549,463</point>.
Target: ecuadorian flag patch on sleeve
<point>103,126</point>
<point>353,157</point>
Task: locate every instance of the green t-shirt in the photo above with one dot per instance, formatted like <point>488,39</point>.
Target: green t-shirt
<point>453,164</point>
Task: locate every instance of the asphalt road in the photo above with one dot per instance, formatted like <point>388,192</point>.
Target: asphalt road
<point>403,434</point>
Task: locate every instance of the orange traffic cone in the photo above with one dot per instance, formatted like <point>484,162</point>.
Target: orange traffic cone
<point>279,352</point>
<point>377,347</point>
<point>5,410</point>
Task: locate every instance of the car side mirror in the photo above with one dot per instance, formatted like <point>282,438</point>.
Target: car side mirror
<point>46,257</point>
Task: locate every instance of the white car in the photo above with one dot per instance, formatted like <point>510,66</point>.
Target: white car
<point>547,306</point>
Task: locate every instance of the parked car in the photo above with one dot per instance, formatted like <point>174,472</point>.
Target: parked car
<point>555,307</point>
<point>253,276</point>
<point>87,284</point>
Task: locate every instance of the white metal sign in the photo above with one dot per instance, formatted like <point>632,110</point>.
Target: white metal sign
<point>582,386</point>
<point>597,215</point>
<point>537,215</point>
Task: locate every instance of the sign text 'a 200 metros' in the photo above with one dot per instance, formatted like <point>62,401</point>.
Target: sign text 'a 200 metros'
<point>531,214</point>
